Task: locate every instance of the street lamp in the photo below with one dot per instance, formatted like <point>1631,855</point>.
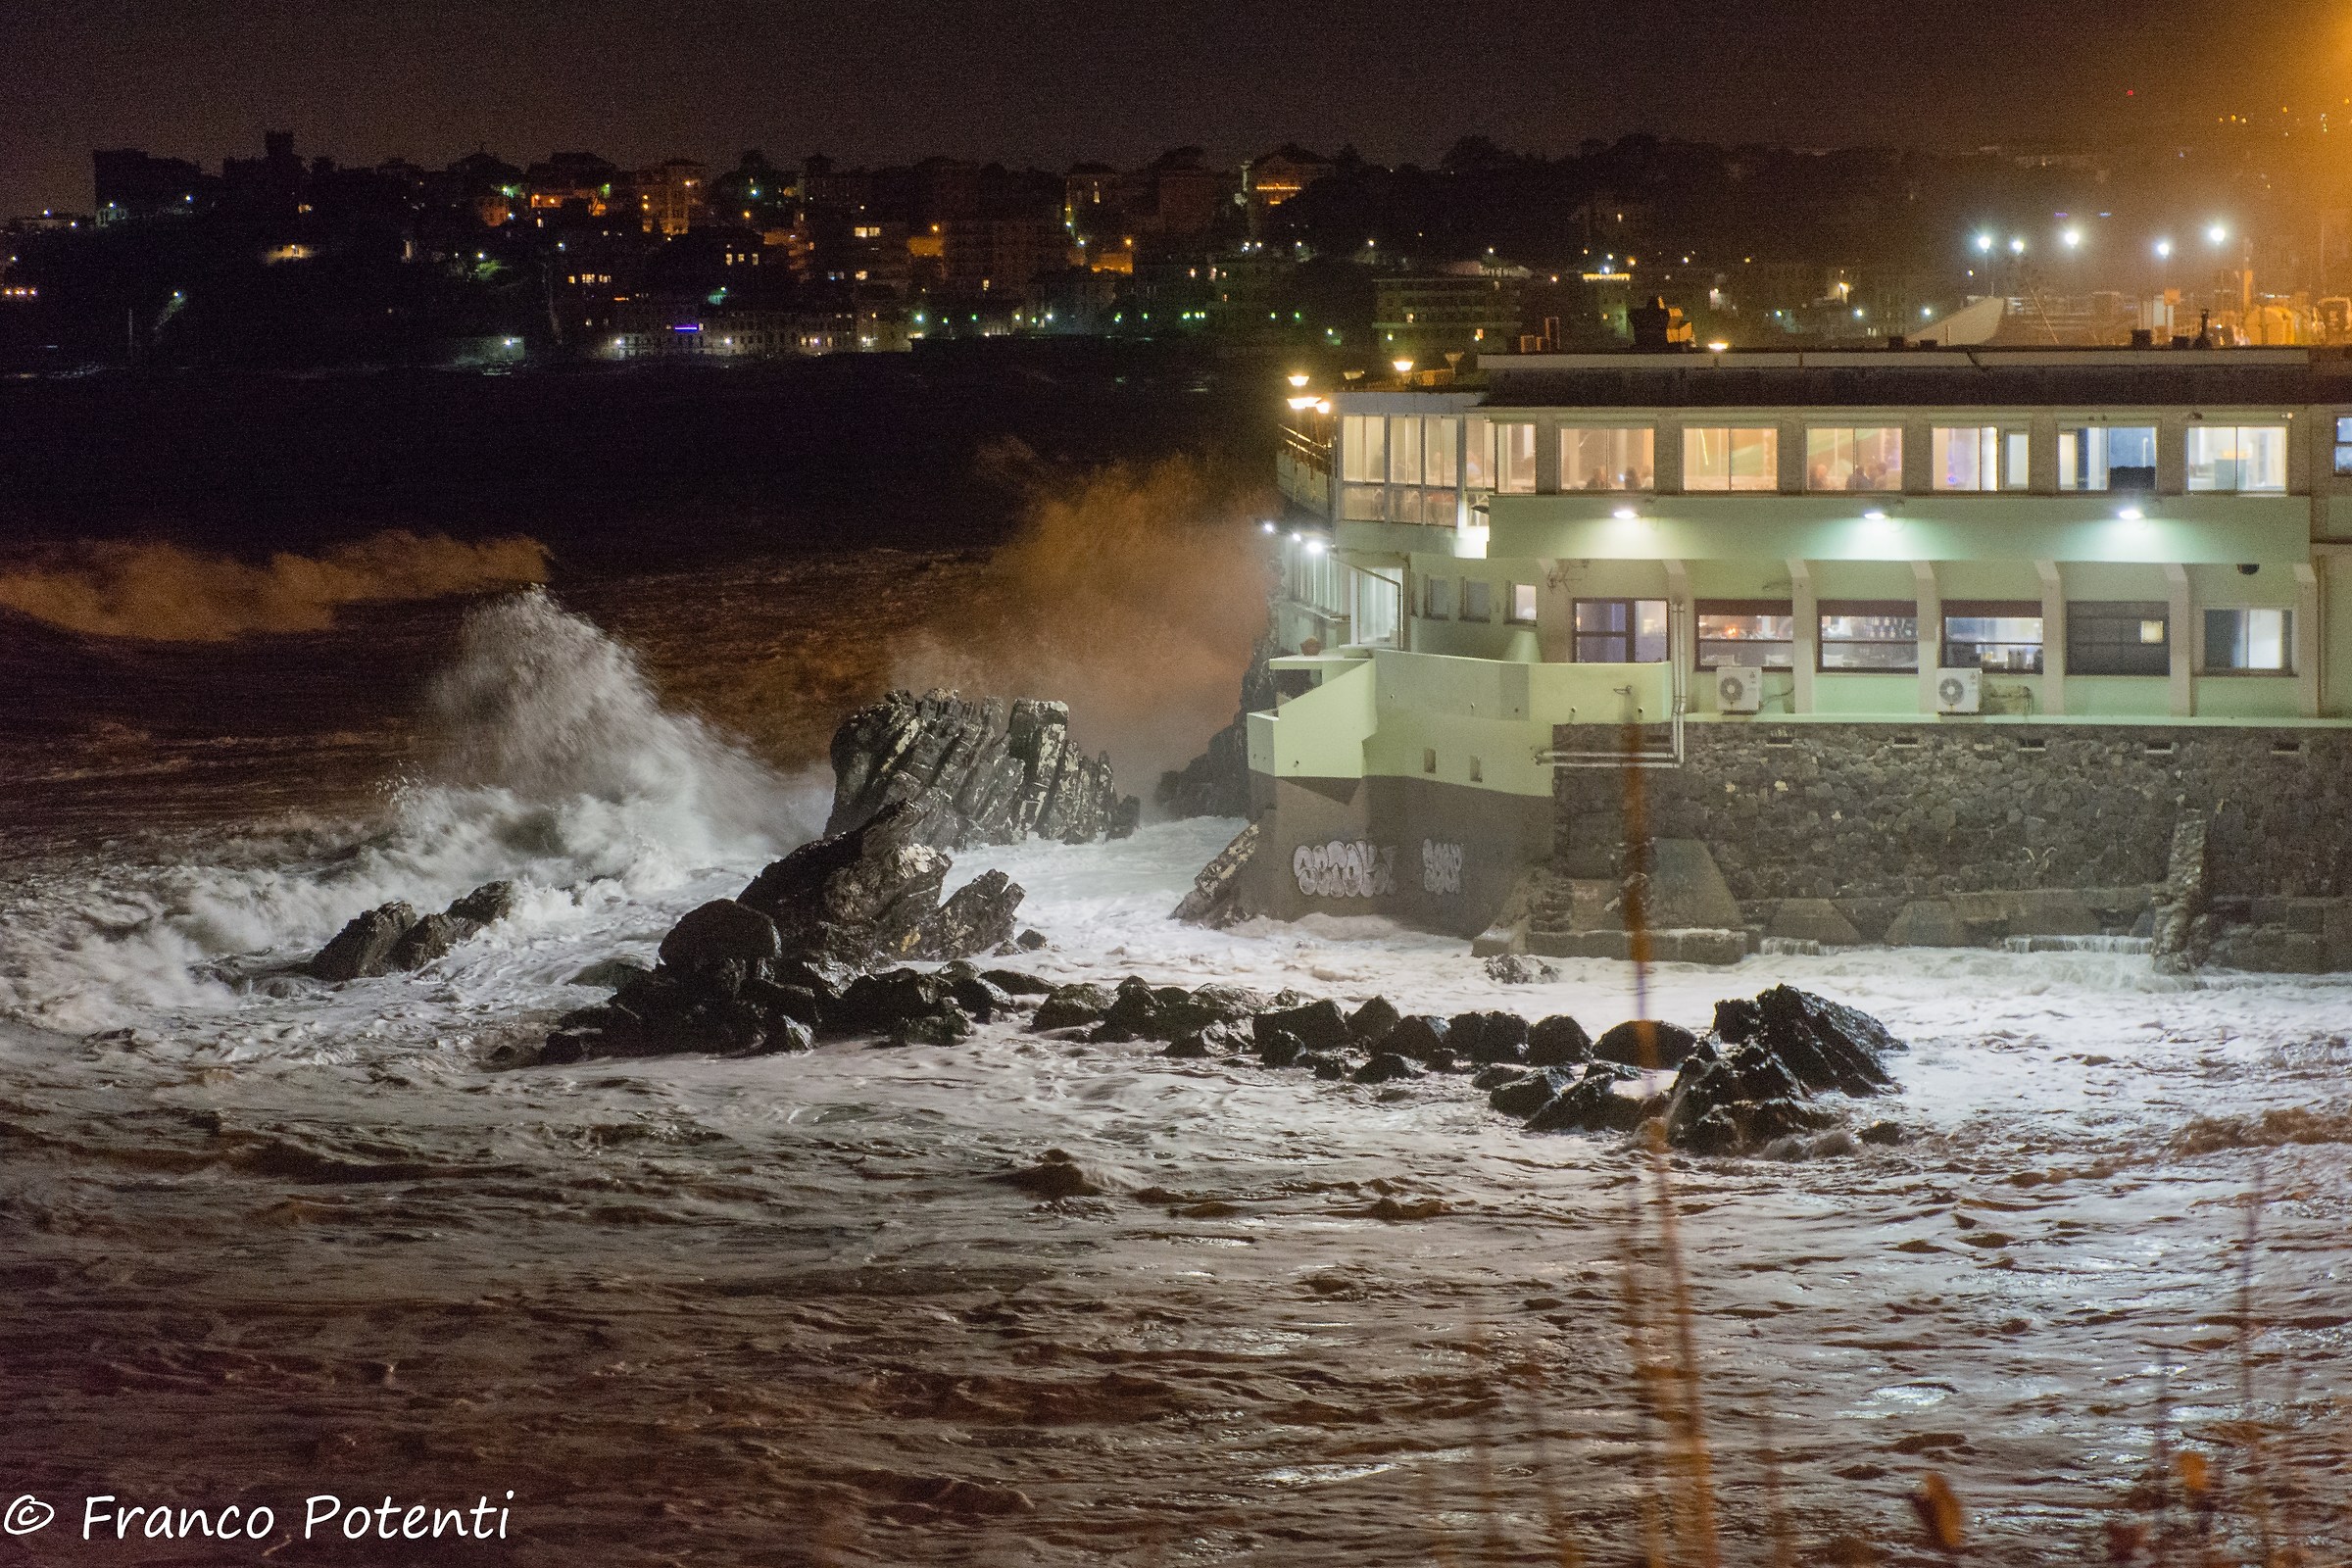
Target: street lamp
<point>2164,249</point>
<point>2073,238</point>
<point>1984,243</point>
<point>2217,234</point>
<point>1403,366</point>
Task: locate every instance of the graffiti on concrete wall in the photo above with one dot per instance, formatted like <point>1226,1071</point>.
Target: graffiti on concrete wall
<point>1344,869</point>
<point>1440,868</point>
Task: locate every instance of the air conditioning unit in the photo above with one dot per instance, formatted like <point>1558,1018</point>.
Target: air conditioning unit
<point>1959,691</point>
<point>1738,689</point>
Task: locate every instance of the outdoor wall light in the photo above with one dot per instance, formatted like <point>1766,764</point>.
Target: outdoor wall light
<point>1875,514</point>
<point>1625,515</point>
<point>1267,528</point>
<point>2129,514</point>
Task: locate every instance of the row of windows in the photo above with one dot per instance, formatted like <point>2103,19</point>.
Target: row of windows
<point>1501,455</point>
<point>2102,637</point>
<point>1476,601</point>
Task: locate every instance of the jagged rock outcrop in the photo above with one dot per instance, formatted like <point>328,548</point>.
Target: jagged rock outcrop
<point>394,935</point>
<point>1216,783</point>
<point>974,772</point>
<point>1217,898</point>
<point>2183,926</point>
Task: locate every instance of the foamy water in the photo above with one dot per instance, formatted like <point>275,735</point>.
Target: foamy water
<point>278,1237</point>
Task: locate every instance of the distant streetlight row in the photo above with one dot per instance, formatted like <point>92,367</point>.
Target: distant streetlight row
<point>2071,239</point>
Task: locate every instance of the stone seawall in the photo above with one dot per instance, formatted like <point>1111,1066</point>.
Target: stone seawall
<point>1895,811</point>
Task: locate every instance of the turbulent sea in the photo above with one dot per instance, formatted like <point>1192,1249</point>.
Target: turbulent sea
<point>266,1238</point>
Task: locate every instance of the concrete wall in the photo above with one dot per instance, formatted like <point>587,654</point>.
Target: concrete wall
<point>1883,811</point>
<point>1435,855</point>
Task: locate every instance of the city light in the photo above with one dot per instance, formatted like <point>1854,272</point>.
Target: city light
<point>1984,242</point>
<point>2217,234</point>
<point>1716,345</point>
<point>2072,239</point>
<point>2163,248</point>
<point>1314,547</point>
<point>1625,515</point>
<point>1266,527</point>
<point>1403,366</point>
<point>1297,379</point>
<point>2129,514</point>
<point>2017,245</point>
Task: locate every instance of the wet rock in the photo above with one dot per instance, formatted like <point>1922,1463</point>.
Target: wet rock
<point>1495,1076</point>
<point>1014,983</point>
<point>1330,1066</point>
<point>1518,969</point>
<point>486,904</point>
<point>2178,926</point>
<point>1072,1005</point>
<point>1823,1044</point>
<point>1594,1103</point>
<point>1030,940</point>
<point>1522,1095</point>
<point>1317,1026</point>
<point>1216,783</point>
<point>1558,1041</point>
<point>902,1005</point>
<point>1386,1067</point>
<point>364,947</point>
<point>1373,1020</point>
<point>430,938</point>
<point>1218,898</point>
<point>1421,1038</point>
<point>1055,1176</point>
<point>773,1001</point>
<point>1884,1134</point>
<point>719,932</point>
<point>974,772</point>
<point>610,974</point>
<point>976,917</point>
<point>1751,1083</point>
<point>1140,1011</point>
<point>1229,1039</point>
<point>982,1000</point>
<point>1738,1098</point>
<point>1623,1044</point>
<point>1488,1037</point>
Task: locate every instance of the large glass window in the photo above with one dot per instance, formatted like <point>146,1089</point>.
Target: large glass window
<point>1439,435</point>
<point>1620,631</point>
<point>1756,632</point>
<point>1404,449</point>
<point>1478,599</point>
<point>1365,448</point>
<point>1981,457</point>
<point>1523,603</point>
<point>1733,458</point>
<point>1478,452</point>
<point>2343,446</point>
<point>1437,598</point>
<point>2118,637</point>
<point>1870,634</point>
<point>2107,457</point>
<point>1515,459</point>
<point>2249,642</point>
<point>2240,458</point>
<point>2000,635</point>
<point>1613,457</point>
<point>1363,503</point>
<point>1868,458</point>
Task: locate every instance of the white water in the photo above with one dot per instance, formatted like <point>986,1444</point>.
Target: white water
<point>285,1236</point>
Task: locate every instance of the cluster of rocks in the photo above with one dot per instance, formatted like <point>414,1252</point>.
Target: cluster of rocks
<point>394,935</point>
<point>974,772</point>
<point>760,971</point>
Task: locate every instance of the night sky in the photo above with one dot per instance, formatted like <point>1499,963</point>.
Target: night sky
<point>1050,84</point>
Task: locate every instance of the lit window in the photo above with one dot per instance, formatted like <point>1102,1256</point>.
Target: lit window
<point>1523,603</point>
<point>1737,458</point>
<point>1437,598</point>
<point>2102,457</point>
<point>2248,641</point>
<point>1979,457</point>
<point>1438,439</point>
<point>1867,459</point>
<point>1404,449</point>
<point>2237,458</point>
<point>1614,458</point>
<point>1478,599</point>
<point>2118,637</point>
<point>1365,448</point>
<point>1870,634</point>
<point>1478,453</point>
<point>2343,446</point>
<point>1620,631</point>
<point>1760,633</point>
<point>1999,635</point>
<point>1515,459</point>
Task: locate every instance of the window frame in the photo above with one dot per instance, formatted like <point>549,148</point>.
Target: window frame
<point>2237,438</point>
<point>1434,589</point>
<point>1855,608</point>
<point>2008,477</point>
<point>2085,613</point>
<point>2287,641</point>
<point>1853,434</point>
<point>1771,475</point>
<point>1630,635</point>
<point>1953,610</point>
<point>1701,609</point>
<point>1505,476</point>
<point>1512,616</point>
<point>1486,612</point>
<point>2107,465</point>
<point>1569,434</point>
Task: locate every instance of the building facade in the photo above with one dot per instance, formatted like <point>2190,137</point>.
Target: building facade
<point>1814,599</point>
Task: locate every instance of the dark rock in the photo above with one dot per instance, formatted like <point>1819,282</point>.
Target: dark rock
<point>975,994</point>
<point>1593,1105</point>
<point>1325,1065</point>
<point>610,973</point>
<point>946,1028</point>
<point>975,918</point>
<point>1825,1045</point>
<point>774,1001</point>
<point>1883,1133</point>
<point>486,904</point>
<point>1488,1037</point>
<point>1071,1006</point>
<point>1497,1075</point>
<point>887,1003</point>
<point>1030,940</point>
<point>1316,1026</point>
<point>1385,1067</point>
<point>430,938</point>
<point>1623,1044</point>
<point>1279,1048</point>
<point>1558,1041</point>
<point>1216,783</point>
<point>825,978</point>
<point>974,772</point>
<point>1373,1020</point>
<point>1421,1038</point>
<point>1014,983</point>
<point>789,1035</point>
<point>1191,1047</point>
<point>1525,1094</point>
<point>364,947</point>
<point>856,897</point>
<point>1518,969</point>
<point>1055,1175</point>
<point>720,932</point>
<point>1218,898</point>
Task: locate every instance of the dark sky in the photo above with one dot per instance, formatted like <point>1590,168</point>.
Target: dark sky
<point>1033,81</point>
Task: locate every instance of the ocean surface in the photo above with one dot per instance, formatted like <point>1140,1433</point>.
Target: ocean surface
<point>268,1240</point>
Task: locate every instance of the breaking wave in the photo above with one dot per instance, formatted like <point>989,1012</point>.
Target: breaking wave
<point>164,593</point>
<point>553,762</point>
